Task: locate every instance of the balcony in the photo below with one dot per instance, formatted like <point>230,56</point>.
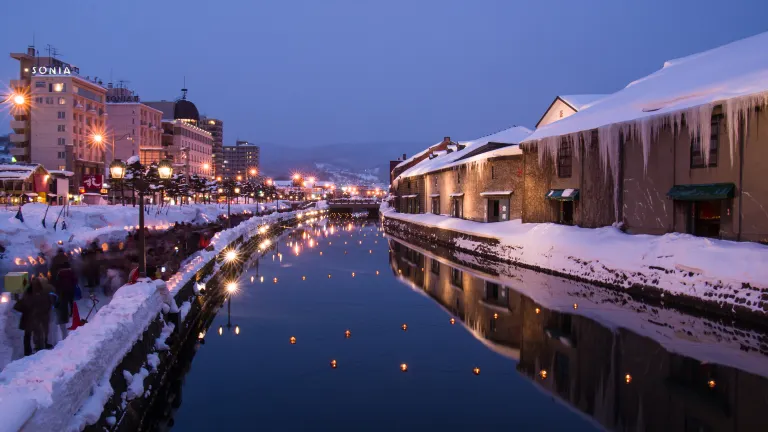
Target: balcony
<point>19,137</point>
<point>18,151</point>
<point>19,125</point>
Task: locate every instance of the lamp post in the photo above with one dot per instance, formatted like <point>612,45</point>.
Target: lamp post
<point>117,172</point>
<point>164,170</point>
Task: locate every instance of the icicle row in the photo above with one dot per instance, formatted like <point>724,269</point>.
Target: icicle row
<point>698,121</point>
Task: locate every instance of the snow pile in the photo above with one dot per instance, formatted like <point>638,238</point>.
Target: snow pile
<point>25,240</point>
<point>512,135</point>
<point>676,263</point>
<point>160,344</point>
<point>135,383</point>
<point>734,75</point>
<point>61,379</point>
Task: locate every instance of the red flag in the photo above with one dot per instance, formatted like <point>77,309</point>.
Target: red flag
<point>75,317</point>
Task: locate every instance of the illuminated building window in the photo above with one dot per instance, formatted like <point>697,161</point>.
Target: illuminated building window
<point>62,101</point>
<point>59,87</point>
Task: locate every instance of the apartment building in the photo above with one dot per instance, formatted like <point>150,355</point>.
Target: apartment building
<point>63,121</point>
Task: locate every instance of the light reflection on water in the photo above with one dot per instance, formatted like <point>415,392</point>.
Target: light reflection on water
<point>542,367</point>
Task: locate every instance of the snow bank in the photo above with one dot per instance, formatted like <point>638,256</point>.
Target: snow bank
<point>67,382</point>
<point>676,263</point>
<point>60,380</point>
<point>25,240</point>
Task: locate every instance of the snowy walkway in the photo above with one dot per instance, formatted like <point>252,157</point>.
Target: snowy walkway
<point>733,273</point>
<point>50,387</point>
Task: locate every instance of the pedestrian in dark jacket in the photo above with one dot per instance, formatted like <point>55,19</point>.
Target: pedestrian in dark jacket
<point>92,258</point>
<point>35,308</point>
<point>65,290</point>
<point>59,261</point>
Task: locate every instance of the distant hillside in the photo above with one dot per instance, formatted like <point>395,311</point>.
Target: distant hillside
<point>362,161</point>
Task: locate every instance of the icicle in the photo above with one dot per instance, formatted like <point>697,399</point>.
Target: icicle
<point>698,119</point>
<point>737,109</point>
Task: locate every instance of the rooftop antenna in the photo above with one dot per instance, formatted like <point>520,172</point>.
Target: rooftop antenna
<point>184,89</point>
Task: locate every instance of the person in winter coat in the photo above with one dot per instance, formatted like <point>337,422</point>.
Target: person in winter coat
<point>59,261</point>
<point>65,290</point>
<point>92,258</point>
<point>35,308</point>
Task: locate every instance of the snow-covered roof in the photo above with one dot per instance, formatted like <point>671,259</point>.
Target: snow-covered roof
<point>581,101</point>
<point>736,70</point>
<point>61,172</point>
<point>512,135</point>
<point>17,171</point>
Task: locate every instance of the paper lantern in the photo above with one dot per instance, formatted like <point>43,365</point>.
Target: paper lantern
<point>293,340</point>
<point>405,327</point>
<point>476,371</point>
<point>404,367</point>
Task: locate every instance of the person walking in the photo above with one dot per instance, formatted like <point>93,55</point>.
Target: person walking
<point>58,262</point>
<point>65,283</point>
<point>92,258</point>
<point>35,308</point>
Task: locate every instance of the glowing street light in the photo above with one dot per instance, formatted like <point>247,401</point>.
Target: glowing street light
<point>206,166</point>
<point>231,256</point>
<point>253,171</point>
<point>19,100</point>
<point>232,288</point>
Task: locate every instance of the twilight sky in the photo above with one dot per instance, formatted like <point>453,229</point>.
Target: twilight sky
<point>309,72</point>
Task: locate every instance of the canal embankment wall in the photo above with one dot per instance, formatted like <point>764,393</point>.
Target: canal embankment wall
<point>728,279</point>
<point>110,360</point>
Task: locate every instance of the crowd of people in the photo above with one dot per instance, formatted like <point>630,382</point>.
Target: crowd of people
<point>48,302</point>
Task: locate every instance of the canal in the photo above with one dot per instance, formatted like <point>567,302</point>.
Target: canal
<point>484,351</point>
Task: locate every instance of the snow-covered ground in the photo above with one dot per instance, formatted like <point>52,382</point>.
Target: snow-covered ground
<point>56,383</point>
<point>727,272</point>
<point>23,241</point>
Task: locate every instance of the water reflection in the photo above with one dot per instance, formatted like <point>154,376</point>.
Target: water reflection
<point>628,365</point>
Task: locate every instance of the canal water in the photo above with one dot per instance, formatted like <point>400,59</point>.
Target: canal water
<point>479,353</point>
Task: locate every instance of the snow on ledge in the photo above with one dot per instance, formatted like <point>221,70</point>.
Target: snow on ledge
<point>457,194</point>
<point>704,268</point>
<point>496,193</point>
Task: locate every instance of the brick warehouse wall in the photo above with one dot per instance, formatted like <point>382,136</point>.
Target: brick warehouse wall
<point>476,179</point>
<point>596,200</point>
<point>536,184</point>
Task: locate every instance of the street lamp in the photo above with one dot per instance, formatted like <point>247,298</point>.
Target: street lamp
<point>117,172</point>
<point>19,100</point>
<point>165,170</point>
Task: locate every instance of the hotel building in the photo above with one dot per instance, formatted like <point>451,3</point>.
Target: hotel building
<point>62,114</point>
<point>132,127</point>
<point>188,146</point>
<point>216,128</point>
<point>240,159</point>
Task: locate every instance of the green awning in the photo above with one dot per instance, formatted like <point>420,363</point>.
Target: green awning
<point>702,192</point>
<point>563,194</point>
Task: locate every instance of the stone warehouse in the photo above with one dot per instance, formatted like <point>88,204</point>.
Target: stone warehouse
<point>665,154</point>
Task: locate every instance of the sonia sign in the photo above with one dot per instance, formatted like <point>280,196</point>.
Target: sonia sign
<point>52,70</point>
<point>119,99</point>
